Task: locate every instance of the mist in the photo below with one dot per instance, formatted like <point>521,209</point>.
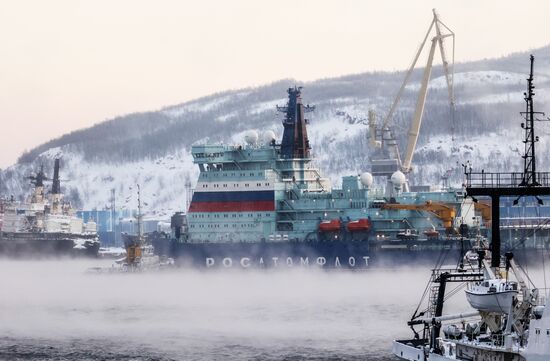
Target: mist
<point>55,308</point>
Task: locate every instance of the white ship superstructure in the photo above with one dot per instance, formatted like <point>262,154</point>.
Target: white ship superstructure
<point>45,223</point>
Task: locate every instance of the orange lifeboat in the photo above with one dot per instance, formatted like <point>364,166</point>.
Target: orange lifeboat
<point>360,225</point>
<point>431,233</point>
<point>332,225</point>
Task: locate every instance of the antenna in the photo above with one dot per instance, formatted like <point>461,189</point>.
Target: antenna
<point>529,160</point>
<point>139,214</point>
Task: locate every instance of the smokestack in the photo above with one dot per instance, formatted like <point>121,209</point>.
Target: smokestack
<point>56,185</point>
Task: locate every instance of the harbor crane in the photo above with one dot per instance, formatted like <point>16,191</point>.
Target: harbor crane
<point>387,160</point>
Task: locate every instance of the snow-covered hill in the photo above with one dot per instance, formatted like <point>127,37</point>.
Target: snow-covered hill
<point>153,149</point>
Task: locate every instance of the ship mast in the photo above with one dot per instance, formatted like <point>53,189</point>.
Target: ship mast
<point>528,183</point>
<point>529,168</point>
<point>295,143</point>
<point>140,237</point>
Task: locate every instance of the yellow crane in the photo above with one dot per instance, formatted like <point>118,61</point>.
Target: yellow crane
<point>442,211</point>
<point>382,136</point>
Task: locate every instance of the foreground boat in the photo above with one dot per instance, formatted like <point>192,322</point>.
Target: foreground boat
<point>509,319</point>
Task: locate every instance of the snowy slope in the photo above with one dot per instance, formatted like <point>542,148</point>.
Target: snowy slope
<point>153,149</point>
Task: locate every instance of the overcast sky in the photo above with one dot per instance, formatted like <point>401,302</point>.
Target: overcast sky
<point>68,64</point>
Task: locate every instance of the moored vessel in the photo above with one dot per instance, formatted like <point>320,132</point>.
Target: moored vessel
<point>265,204</point>
<point>45,225</point>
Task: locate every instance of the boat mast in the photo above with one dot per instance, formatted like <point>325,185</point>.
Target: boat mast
<point>139,214</point>
<point>529,168</point>
<point>528,183</point>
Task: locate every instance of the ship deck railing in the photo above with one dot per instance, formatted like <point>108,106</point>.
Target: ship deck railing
<point>504,180</point>
<point>466,275</point>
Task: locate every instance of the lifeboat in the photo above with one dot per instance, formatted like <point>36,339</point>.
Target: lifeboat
<point>431,233</point>
<point>360,225</point>
<point>494,295</point>
<point>332,225</point>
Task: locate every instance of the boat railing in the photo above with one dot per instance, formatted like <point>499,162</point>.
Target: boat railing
<point>503,180</point>
<point>455,275</point>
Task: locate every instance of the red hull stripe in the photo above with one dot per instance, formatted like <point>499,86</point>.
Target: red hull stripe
<point>258,206</point>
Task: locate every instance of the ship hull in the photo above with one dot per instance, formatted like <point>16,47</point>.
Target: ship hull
<point>42,245</point>
<point>313,254</point>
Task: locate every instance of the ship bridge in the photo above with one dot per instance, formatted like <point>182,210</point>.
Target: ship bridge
<point>234,157</point>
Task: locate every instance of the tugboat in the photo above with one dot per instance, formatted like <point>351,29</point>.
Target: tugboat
<point>140,255</point>
<point>509,321</point>
<point>45,225</point>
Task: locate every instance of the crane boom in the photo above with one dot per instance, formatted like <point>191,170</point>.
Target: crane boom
<point>406,80</point>
<point>419,111</point>
<point>443,211</point>
<point>448,69</point>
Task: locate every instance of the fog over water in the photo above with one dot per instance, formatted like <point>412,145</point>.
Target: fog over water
<point>53,310</point>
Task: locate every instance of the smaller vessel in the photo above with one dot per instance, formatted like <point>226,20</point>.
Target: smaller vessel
<point>140,254</point>
<point>431,233</point>
<point>360,225</point>
<point>492,295</point>
<point>332,225</point>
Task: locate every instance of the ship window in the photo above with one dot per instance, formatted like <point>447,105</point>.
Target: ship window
<point>246,185</point>
<point>225,185</point>
<point>547,332</point>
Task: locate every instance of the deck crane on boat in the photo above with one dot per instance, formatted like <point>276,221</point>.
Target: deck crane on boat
<point>387,159</point>
<point>442,211</point>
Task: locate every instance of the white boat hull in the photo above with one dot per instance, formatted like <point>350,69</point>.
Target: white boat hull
<point>499,302</point>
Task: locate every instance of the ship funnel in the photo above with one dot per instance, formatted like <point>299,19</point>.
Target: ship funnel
<point>295,143</point>
<point>56,185</point>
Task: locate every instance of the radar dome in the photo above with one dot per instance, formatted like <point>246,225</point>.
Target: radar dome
<point>269,137</point>
<point>366,179</point>
<point>398,178</point>
<point>251,137</point>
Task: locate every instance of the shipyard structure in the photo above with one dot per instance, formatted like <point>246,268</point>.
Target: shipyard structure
<point>264,203</point>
